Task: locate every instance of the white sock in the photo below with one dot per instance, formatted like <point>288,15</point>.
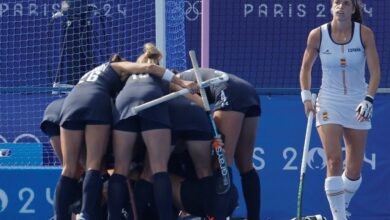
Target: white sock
<point>334,188</point>
<point>350,188</point>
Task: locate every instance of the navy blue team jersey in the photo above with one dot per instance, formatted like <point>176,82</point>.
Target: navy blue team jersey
<point>234,95</point>
<point>50,124</point>
<point>141,88</point>
<point>189,120</point>
<point>90,99</point>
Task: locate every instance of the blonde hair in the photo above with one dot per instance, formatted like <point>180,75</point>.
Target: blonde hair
<point>151,54</point>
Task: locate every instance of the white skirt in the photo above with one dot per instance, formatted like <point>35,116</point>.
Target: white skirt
<point>339,109</point>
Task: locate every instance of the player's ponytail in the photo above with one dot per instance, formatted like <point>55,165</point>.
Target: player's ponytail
<point>151,54</point>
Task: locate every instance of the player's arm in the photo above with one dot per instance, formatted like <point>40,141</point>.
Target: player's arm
<point>372,60</point>
<point>128,68</point>
<point>364,109</point>
<point>195,97</point>
<point>309,56</point>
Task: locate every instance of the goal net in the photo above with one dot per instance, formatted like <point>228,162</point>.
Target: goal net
<point>45,46</point>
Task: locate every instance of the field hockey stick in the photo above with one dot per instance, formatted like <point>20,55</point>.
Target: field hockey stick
<point>223,184</point>
<point>304,160</point>
<point>223,77</point>
<point>135,110</point>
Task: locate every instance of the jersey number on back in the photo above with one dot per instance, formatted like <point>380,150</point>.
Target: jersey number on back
<point>93,75</point>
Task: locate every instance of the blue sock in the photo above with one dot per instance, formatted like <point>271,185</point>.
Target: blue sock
<point>144,198</point>
<point>65,195</point>
<point>118,198</point>
<point>92,194</point>
<point>163,195</point>
<point>251,190</point>
<point>75,207</point>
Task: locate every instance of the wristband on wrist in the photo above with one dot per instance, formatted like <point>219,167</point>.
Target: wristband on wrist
<point>168,75</point>
<point>305,95</point>
<point>369,98</point>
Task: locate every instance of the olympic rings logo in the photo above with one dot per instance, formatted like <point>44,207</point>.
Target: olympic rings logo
<point>20,137</point>
<point>192,11</point>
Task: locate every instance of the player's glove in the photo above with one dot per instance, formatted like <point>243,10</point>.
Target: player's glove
<point>364,109</point>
